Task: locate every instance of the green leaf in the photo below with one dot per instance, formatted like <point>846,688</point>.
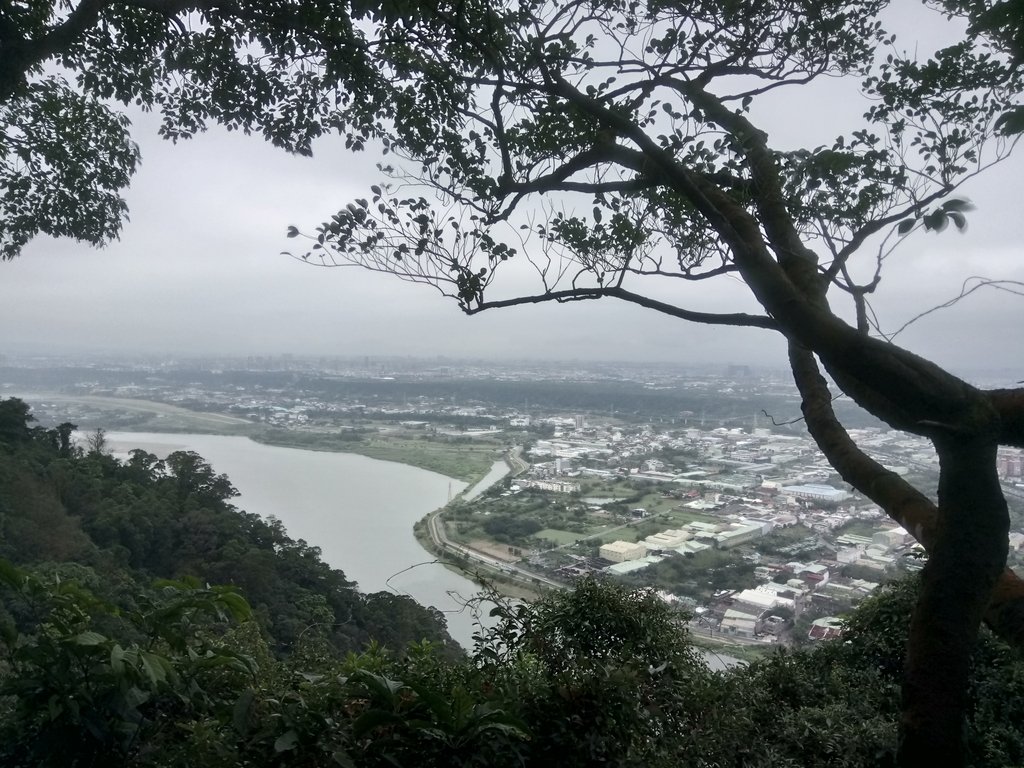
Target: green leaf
<point>240,713</point>
<point>11,575</point>
<point>8,633</point>
<point>1011,123</point>
<point>235,604</point>
<point>905,226</point>
<point>89,638</point>
<point>286,741</point>
<point>375,718</point>
<point>935,221</point>
<point>956,204</point>
<point>156,667</point>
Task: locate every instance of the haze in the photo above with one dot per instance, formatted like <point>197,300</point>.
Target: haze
<point>198,271</point>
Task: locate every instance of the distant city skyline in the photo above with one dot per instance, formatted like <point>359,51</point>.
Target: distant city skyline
<point>456,366</point>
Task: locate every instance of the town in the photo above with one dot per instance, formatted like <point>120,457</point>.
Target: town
<point>751,532</point>
<point>686,487</point>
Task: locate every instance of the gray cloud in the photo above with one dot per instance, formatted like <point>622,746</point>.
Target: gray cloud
<point>198,270</point>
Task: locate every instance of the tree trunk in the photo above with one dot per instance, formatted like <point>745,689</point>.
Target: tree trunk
<point>966,537</point>
<point>966,559</point>
<point>900,500</point>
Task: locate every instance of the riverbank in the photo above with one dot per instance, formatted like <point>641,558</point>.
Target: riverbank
<point>462,458</point>
<point>463,461</point>
<point>507,579</point>
<point>485,578</point>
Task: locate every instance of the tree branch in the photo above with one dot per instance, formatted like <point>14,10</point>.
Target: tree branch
<point>896,385</point>
<point>1009,403</point>
<point>584,294</point>
<point>19,56</point>
<point>900,500</point>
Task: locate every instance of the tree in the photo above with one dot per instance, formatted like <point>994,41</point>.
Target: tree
<point>97,441</point>
<point>285,69</point>
<point>613,145</point>
<point>602,675</point>
<point>15,417</point>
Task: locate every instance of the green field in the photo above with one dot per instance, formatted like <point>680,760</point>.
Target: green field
<point>463,459</point>
<point>677,518</point>
<point>862,528</point>
<point>120,413</point>
<point>558,537</point>
<point>467,461</point>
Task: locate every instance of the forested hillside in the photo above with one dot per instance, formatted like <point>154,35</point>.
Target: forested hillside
<point>116,526</point>
<point>150,623</point>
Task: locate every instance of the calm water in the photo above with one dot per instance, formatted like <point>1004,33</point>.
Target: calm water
<point>497,471</point>
<point>359,511</point>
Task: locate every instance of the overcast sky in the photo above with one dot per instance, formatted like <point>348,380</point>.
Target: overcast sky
<point>198,270</point>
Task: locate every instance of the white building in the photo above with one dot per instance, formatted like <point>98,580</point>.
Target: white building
<point>815,492</point>
<point>739,623</point>
<point>891,538</point>
<point>621,551</point>
<point>670,539</point>
<point>558,486</point>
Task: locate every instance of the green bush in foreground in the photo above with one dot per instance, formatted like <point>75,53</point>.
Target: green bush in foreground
<point>600,675</point>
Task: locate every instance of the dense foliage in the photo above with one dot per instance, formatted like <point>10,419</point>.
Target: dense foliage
<point>278,68</point>
<point>125,523</point>
<point>112,652</point>
<point>181,676</point>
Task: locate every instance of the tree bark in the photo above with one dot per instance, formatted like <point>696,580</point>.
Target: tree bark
<point>900,500</point>
<point>966,559</point>
<point>1010,404</point>
<point>964,580</point>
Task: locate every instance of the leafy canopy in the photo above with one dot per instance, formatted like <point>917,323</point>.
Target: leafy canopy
<point>288,71</point>
<point>600,141</point>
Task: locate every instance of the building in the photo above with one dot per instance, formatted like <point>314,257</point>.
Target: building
<point>1010,463</point>
<point>628,566</point>
<point>558,486</point>
<point>670,539</point>
<point>621,551</point>
<point>891,538</point>
<point>815,492</point>
<point>691,547</point>
<point>740,533</point>
<point>854,540</point>
<point>739,623</point>
<point>814,574</point>
<point>825,628</point>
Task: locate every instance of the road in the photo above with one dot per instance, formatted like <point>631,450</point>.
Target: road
<point>720,638</point>
<point>439,537</point>
<point>516,462</point>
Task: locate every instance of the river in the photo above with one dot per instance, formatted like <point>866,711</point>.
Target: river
<point>359,511</point>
